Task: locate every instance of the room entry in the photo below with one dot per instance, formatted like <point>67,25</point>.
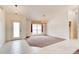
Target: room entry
<point>16,29</point>
<point>72,30</point>
<point>69,29</point>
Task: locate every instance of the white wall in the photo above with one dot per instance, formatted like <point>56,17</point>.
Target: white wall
<point>24,25</point>
<point>28,27</point>
<point>44,29</point>
<point>78,23</point>
<point>58,26</point>
<point>73,17</point>
<point>2,27</point>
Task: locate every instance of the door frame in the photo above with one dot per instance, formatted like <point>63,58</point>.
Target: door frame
<point>12,29</point>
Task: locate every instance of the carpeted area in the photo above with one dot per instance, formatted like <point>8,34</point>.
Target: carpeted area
<point>42,41</point>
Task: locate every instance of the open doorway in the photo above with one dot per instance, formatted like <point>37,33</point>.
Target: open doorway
<point>72,29</point>
<point>69,29</point>
<point>16,29</point>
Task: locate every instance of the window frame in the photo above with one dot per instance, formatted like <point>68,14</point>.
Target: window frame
<point>37,29</point>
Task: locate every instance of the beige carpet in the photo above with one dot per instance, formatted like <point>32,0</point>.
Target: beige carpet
<point>42,41</point>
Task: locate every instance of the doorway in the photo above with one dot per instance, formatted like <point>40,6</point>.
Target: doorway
<point>16,30</point>
<point>69,29</point>
<point>72,30</point>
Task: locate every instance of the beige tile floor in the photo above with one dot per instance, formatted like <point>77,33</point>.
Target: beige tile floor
<point>18,47</point>
<point>22,47</point>
<point>64,47</point>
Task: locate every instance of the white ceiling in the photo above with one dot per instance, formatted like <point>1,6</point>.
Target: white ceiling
<point>35,11</point>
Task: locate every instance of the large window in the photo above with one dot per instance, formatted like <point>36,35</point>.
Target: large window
<point>36,29</point>
<point>16,29</point>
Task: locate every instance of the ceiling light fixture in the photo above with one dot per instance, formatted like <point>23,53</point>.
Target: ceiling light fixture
<point>43,20</point>
<point>16,5</point>
<point>16,12</point>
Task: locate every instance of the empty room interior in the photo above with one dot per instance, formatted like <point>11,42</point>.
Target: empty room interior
<point>39,29</point>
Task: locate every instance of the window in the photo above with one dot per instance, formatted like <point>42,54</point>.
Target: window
<point>36,29</point>
<point>16,29</point>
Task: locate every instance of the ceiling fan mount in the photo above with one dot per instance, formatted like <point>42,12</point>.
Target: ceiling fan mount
<point>16,5</point>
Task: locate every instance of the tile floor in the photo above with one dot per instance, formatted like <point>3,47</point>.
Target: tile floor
<point>22,47</point>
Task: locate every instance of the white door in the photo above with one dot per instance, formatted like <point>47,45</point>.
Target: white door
<point>16,30</point>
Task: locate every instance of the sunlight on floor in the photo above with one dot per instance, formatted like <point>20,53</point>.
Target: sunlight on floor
<point>16,47</point>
